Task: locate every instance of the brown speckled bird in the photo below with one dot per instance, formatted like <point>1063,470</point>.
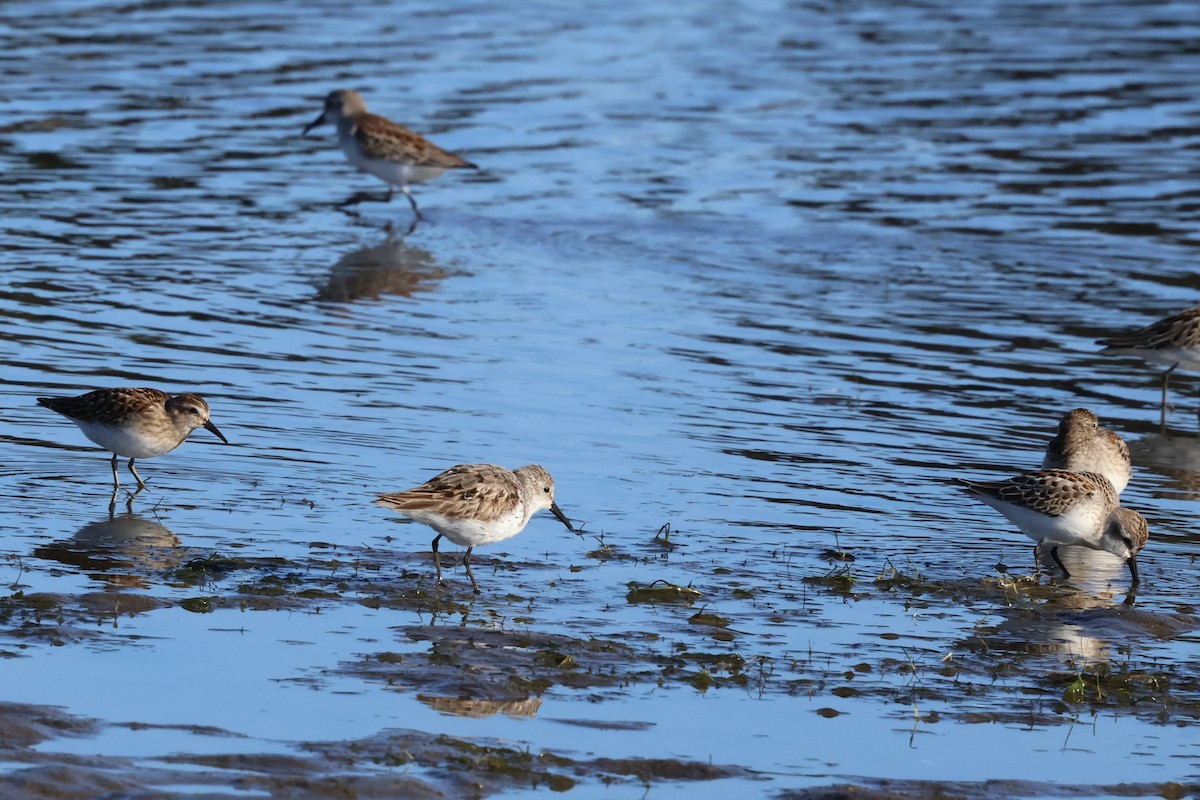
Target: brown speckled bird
<point>1173,341</point>
<point>1055,507</point>
<point>474,504</point>
<point>136,423</point>
<point>387,150</point>
<point>1081,445</point>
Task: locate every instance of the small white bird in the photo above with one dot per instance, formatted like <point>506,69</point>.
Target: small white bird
<point>1055,507</point>
<point>474,504</point>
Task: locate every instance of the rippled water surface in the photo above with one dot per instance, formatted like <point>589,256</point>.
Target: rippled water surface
<point>753,281</point>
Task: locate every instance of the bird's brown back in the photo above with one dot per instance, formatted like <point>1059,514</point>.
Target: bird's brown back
<point>105,405</point>
<point>479,491</point>
<point>380,138</point>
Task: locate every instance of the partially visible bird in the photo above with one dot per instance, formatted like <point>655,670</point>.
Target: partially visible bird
<point>1173,341</point>
<point>1081,445</point>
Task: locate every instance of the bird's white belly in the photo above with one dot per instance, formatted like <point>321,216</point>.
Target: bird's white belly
<point>1077,526</point>
<point>471,532</point>
<point>1187,358</point>
<point>395,173</point>
<point>128,442</point>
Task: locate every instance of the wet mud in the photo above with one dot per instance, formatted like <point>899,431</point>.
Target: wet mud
<point>475,657</point>
<point>394,763</point>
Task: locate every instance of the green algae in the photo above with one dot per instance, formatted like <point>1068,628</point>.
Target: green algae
<point>662,592</point>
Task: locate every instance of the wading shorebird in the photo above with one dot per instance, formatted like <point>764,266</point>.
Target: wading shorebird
<point>385,149</point>
<point>135,423</point>
<point>474,504</point>
<point>1055,507</point>
<point>1173,341</point>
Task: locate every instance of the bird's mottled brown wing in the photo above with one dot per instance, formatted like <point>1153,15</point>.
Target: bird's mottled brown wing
<point>1052,492</point>
<point>479,491</point>
<point>380,138</point>
<point>1178,330</point>
<point>105,405</point>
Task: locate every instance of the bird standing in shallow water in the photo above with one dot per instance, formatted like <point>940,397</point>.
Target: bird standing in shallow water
<point>1055,507</point>
<point>387,150</point>
<point>1173,341</point>
<point>1081,445</point>
<point>136,423</point>
<point>474,504</point>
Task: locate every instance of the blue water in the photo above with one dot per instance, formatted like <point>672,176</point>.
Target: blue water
<point>771,273</point>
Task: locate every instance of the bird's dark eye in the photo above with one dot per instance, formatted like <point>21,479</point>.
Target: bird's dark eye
<point>546,489</point>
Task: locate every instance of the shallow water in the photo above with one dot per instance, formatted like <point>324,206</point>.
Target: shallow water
<point>770,274</point>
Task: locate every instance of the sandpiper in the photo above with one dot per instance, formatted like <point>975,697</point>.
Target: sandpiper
<point>474,504</point>
<point>1173,341</point>
<point>136,423</point>
<point>1055,507</point>
<point>387,150</point>
<point>1081,445</point>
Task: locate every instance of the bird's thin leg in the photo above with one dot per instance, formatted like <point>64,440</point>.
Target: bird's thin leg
<point>1057,560</point>
<point>141,483</point>
<point>436,562</point>
<point>412,201</point>
<point>116,480</point>
<point>391,230</point>
<point>1198,408</point>
<point>467,564</point>
<point>1132,562</point>
<point>1163,413</point>
<point>1037,560</point>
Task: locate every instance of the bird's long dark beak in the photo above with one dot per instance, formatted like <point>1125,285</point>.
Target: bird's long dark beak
<point>313,124</point>
<point>556,511</point>
<point>208,426</point>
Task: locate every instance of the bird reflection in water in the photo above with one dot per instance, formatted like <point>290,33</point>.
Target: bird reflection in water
<point>479,708</point>
<point>121,550</point>
<point>1097,581</point>
<point>1080,621</point>
<point>391,268</point>
<point>1175,456</point>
